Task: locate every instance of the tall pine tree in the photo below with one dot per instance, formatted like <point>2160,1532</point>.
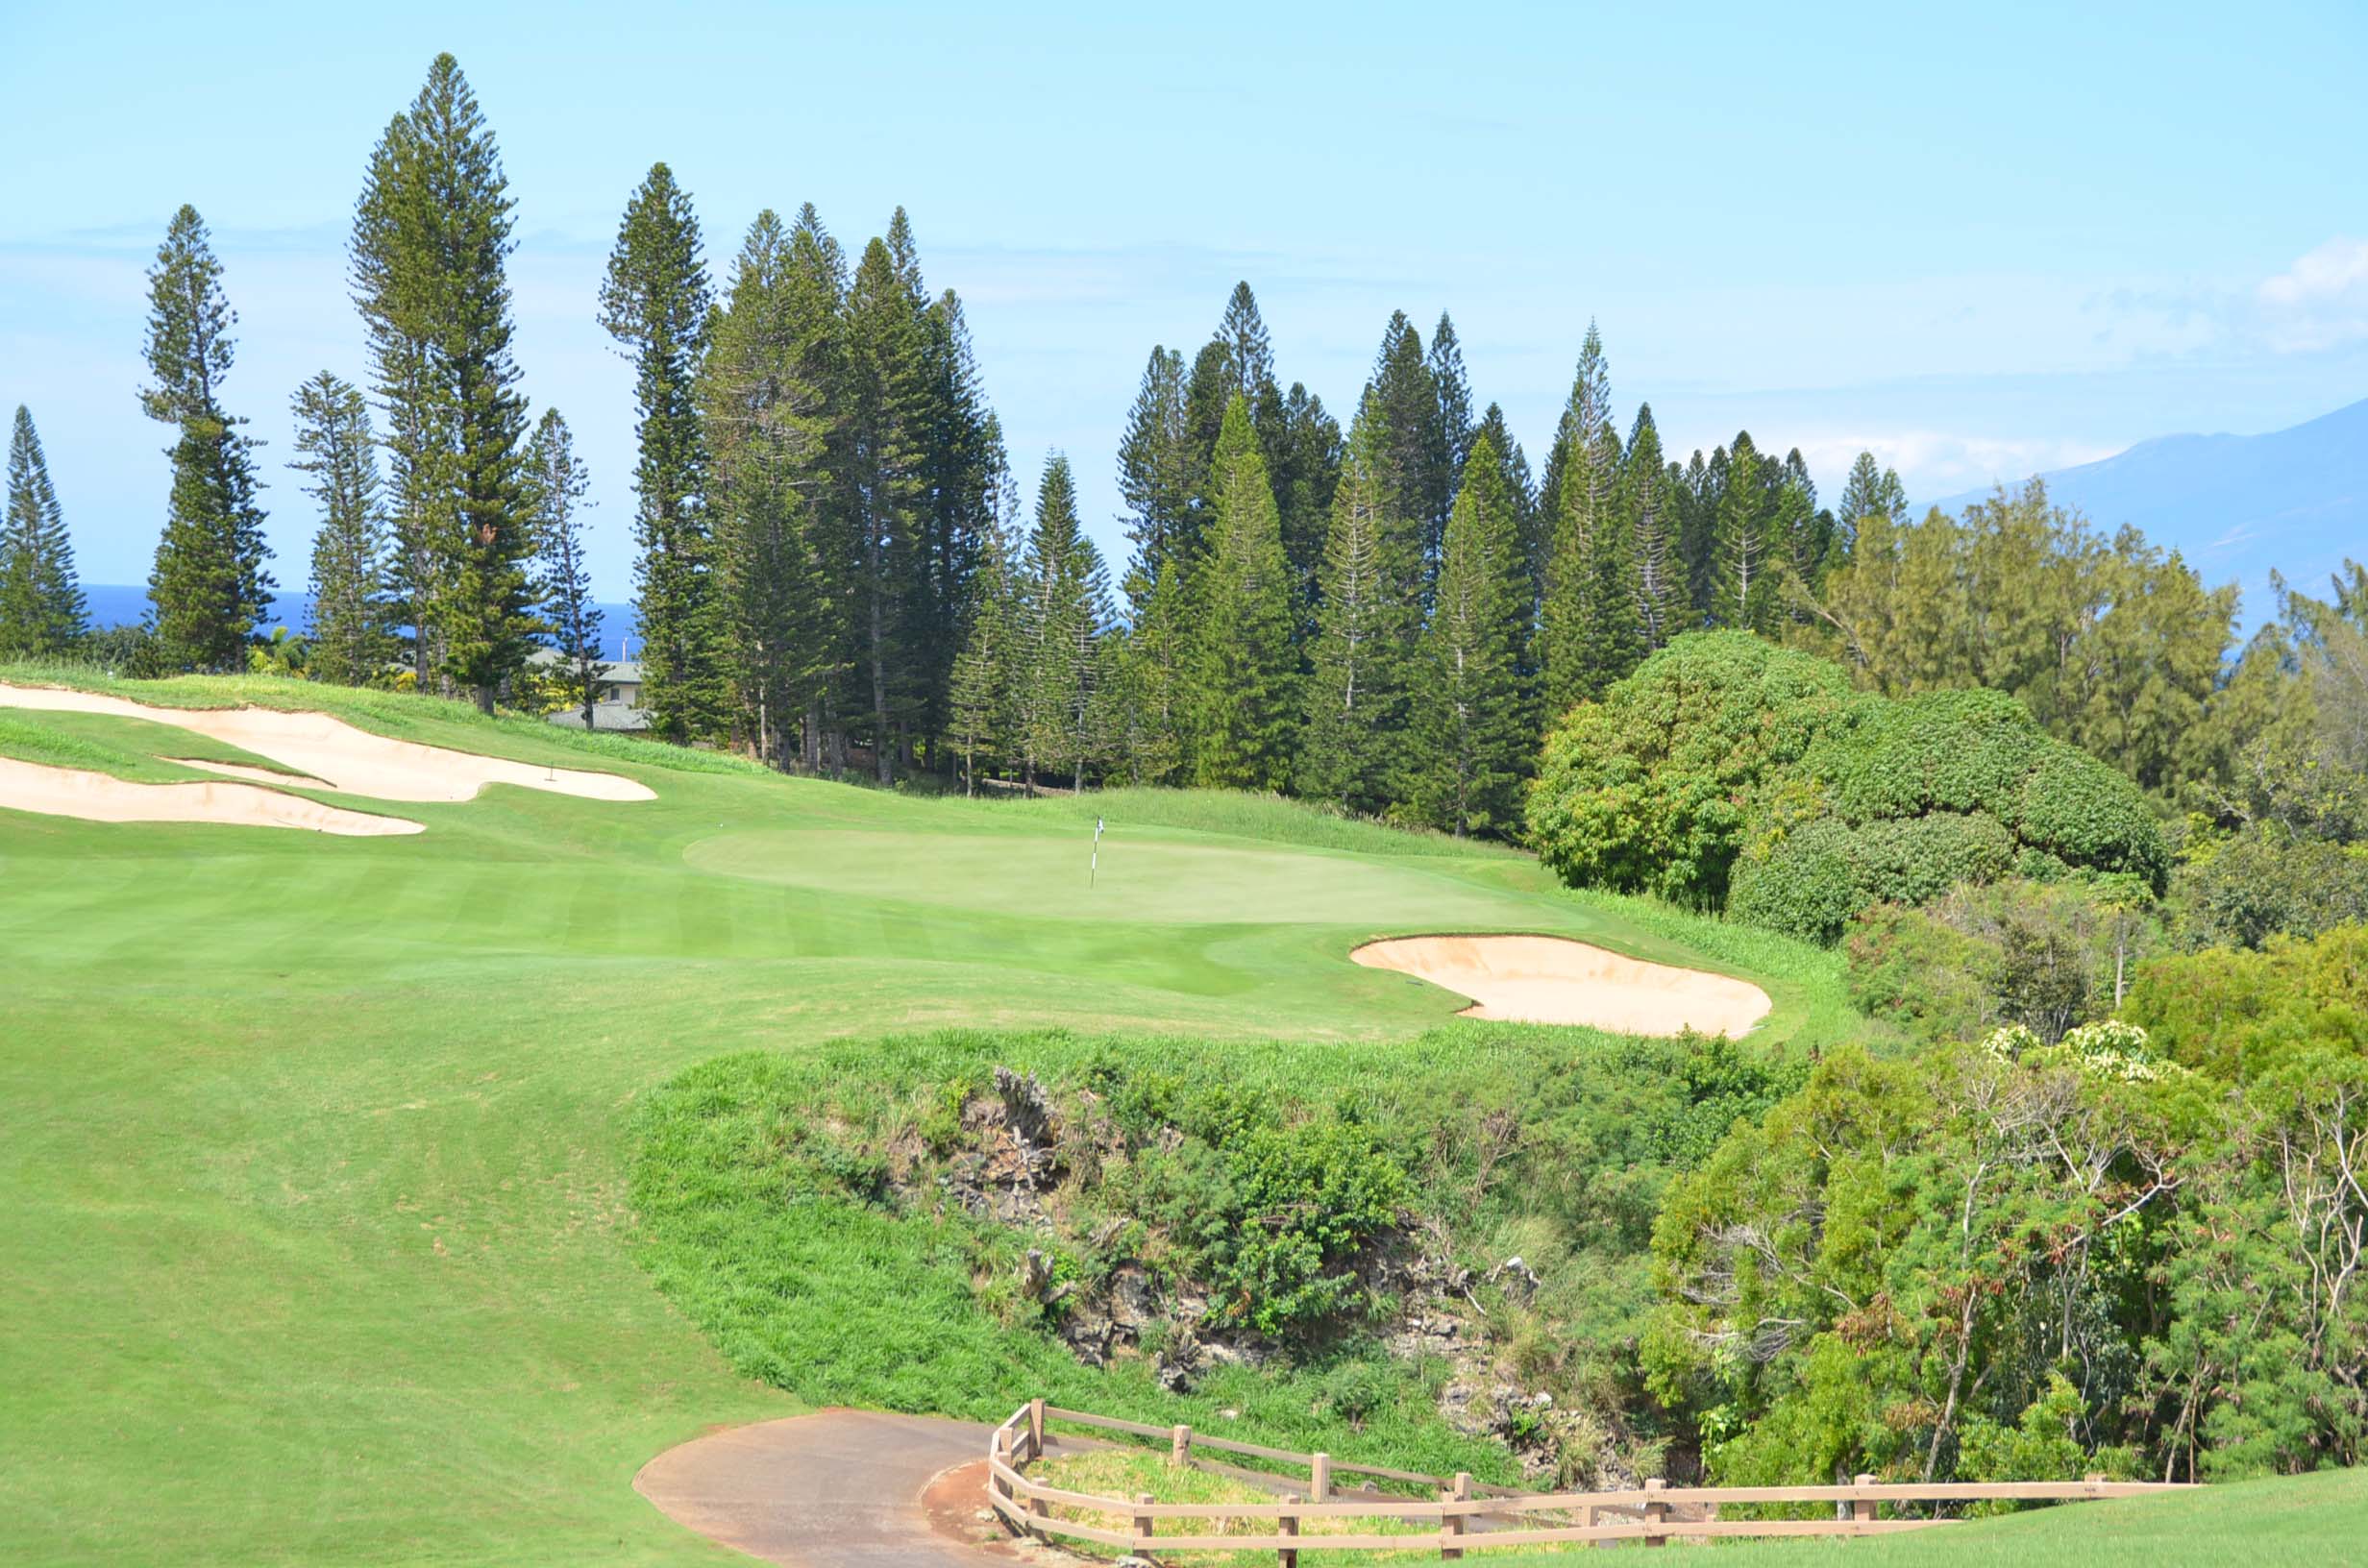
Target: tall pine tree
<point>887,389</point>
<point>41,606</point>
<point>210,588</point>
<point>1356,696</point>
<point>1156,472</point>
<point>555,486</point>
<point>655,303</point>
<point>1748,556</point>
<point>980,698</point>
<point>1415,459</point>
<point>1065,611</point>
<point>1455,416</point>
<point>1244,672</point>
<point>428,265</point>
<point>1588,624</point>
<point>1470,734</point>
<point>353,636</point>
<point>1648,513</point>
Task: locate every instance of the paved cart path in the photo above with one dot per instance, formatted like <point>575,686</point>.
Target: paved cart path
<point>837,1489</point>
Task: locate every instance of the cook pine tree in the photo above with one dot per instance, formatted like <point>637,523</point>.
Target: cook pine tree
<point>210,587</point>
<point>1471,732</point>
<point>555,483</point>
<point>1587,625</point>
<point>1351,745</point>
<point>41,607</point>
<point>354,633</point>
<point>1063,611</point>
<point>428,263</point>
<point>655,301</point>
<point>1245,700</point>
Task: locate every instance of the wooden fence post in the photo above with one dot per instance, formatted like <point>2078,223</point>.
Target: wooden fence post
<point>1451,1525</point>
<point>1320,1479</point>
<point>1656,1513</point>
<point>994,1451</point>
<point>1288,1524</point>
<point>1863,1509</point>
<point>1180,1447</point>
<point>1035,1428</point>
<point>1586,1521</point>
<point>1145,1524</point>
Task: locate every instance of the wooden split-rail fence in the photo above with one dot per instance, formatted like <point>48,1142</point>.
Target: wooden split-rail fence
<point>1462,1517</point>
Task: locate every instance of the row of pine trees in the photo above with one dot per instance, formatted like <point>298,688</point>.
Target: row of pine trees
<point>832,565</point>
<point>1386,618</point>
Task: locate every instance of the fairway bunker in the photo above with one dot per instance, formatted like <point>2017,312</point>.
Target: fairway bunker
<point>1519,979</point>
<point>103,797</point>
<point>338,756</point>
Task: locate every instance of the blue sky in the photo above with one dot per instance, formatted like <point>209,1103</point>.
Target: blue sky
<point>1980,243</point>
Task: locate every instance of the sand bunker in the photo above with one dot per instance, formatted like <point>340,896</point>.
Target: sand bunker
<point>1555,980</point>
<point>335,755</point>
<point>257,776</point>
<point>103,797</point>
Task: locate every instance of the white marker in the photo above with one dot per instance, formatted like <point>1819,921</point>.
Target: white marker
<point>1093,868</point>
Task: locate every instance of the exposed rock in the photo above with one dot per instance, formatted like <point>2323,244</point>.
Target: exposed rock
<point>1518,1279</point>
<point>1025,1109</point>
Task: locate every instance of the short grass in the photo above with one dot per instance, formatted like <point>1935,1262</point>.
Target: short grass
<point>318,1247</point>
<point>130,749</point>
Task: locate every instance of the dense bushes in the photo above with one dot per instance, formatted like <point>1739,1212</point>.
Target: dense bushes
<point>2139,1247</point>
<point>2041,955</point>
<point>1728,771</point>
<point>1648,789</point>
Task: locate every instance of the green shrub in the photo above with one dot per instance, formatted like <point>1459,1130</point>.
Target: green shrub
<point>2258,885</point>
<point>1650,788</point>
<point>2043,956</point>
<point>1906,800</point>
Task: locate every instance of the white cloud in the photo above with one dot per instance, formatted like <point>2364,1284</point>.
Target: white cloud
<point>1935,463</point>
<point>2320,301</point>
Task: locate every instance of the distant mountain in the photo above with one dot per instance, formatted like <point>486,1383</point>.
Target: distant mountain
<point>2237,506</point>
<point>126,605</point>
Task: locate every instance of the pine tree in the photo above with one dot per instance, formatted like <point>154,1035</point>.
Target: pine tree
<point>1588,624</point>
<point>985,672</point>
<point>1356,696</point>
<point>1245,674</point>
<point>1153,734</point>
<point>1248,351</point>
<point>1471,735</point>
<point>210,587</point>
<point>41,606</point>
<point>1529,517</point>
<point>1696,487</point>
<point>353,636</point>
<point>1156,472</point>
<point>1448,374</point>
<point>1304,466</point>
<point>1064,609</point>
<point>887,388</point>
<point>655,301</point>
<point>1748,591</point>
<point>1648,512</point>
<point>957,479</point>
<point>555,483</point>
<point>1869,492</point>
<point>428,264</point>
<point>1415,459</point>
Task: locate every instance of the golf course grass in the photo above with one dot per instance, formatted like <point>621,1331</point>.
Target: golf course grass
<point>318,1247</point>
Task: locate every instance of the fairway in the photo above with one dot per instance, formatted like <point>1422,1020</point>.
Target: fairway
<point>318,1249</point>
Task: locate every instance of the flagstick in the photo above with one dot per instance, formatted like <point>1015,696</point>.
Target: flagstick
<point>1093,866</point>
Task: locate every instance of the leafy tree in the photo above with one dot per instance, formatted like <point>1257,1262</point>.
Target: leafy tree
<point>1357,693</point>
<point>41,605</point>
<point>354,634</point>
<point>1652,787</point>
<point>1245,706</point>
<point>1471,735</point>
<point>556,483</point>
<point>655,301</point>
<point>210,588</point>
<point>428,262</point>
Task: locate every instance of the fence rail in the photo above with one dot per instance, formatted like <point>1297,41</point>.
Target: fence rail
<point>1461,1516</point>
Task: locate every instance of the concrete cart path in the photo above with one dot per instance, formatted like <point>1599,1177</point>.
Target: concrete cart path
<point>837,1489</point>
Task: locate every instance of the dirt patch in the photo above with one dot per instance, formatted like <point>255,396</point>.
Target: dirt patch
<point>340,757</point>
<point>103,797</point>
<point>1555,980</point>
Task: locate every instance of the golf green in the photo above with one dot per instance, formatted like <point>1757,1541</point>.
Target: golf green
<point>316,1247</point>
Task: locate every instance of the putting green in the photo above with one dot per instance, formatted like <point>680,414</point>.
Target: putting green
<point>1164,877</point>
<point>317,1248</point>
